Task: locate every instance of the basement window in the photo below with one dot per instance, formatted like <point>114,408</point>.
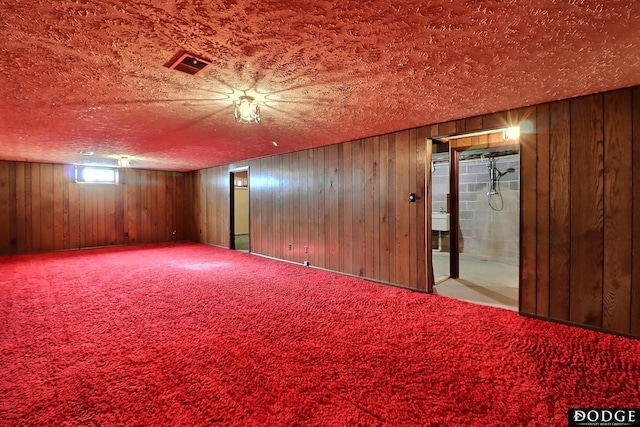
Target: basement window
<point>96,175</point>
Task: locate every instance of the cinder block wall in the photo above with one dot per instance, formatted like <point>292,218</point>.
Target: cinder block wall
<point>490,232</point>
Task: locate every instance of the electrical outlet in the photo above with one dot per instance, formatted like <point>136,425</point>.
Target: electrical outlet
<point>290,246</point>
<point>126,234</point>
<point>306,249</point>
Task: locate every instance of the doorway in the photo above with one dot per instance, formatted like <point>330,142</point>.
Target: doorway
<point>477,223</point>
<point>239,210</point>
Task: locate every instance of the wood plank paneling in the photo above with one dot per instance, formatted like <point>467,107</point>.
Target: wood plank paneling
<point>570,169</point>
<point>359,206</point>
<point>13,214</point>
<point>5,226</point>
<point>369,201</point>
<point>60,211</point>
<point>559,210</point>
<point>383,207</point>
<point>543,209</point>
<point>391,207</point>
<point>21,213</point>
<point>35,201</point>
<point>618,212</point>
<point>403,275</point>
<point>635,232</point>
<point>296,205</point>
<point>332,197</point>
<point>347,211</point>
<point>587,210</point>
<point>74,209</point>
<point>48,211</point>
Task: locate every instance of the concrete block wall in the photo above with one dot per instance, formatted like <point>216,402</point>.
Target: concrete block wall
<point>487,231</point>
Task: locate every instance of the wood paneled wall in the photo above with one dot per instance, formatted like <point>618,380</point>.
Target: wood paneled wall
<point>342,207</point>
<point>348,203</point>
<point>42,209</point>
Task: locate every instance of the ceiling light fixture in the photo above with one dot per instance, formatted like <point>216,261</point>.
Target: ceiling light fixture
<point>86,153</point>
<point>247,110</point>
<point>124,162</point>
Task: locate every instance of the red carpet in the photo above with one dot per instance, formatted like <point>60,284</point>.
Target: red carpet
<point>191,335</point>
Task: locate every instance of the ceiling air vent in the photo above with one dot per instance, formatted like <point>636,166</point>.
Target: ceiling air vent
<point>189,64</point>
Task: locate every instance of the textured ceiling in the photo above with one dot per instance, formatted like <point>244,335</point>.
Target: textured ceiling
<point>92,75</point>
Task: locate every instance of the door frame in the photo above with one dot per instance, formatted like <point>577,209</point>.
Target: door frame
<point>232,207</point>
<point>454,190</point>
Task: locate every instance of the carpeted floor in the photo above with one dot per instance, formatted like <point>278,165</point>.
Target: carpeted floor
<point>191,335</point>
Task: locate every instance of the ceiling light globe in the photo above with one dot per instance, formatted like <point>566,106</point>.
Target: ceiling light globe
<point>247,110</point>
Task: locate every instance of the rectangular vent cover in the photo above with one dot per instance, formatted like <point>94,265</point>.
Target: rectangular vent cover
<point>190,64</point>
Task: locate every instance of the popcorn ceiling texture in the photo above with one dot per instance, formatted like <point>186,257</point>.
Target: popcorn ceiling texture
<point>91,75</point>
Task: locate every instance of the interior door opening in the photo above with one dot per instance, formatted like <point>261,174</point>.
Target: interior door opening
<point>476,219</point>
<point>239,211</point>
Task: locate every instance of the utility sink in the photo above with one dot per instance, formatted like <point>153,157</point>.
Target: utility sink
<point>439,221</point>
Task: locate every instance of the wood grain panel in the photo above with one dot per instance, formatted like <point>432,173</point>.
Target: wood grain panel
<point>59,207</point>
<point>495,120</point>
<point>313,206</point>
<point>296,204</point>
<point>473,124</point>
<point>332,197</point>
<point>277,237</point>
<point>320,187</point>
<point>359,206</point>
<point>119,214</point>
<point>448,128</point>
<point>618,212</point>
<point>369,200</point>
<point>35,201</point>
<point>543,209</point>
<point>13,214</point>
<point>347,203</point>
<point>403,275</point>
<point>635,233</point>
<point>21,213</point>
<point>286,205</point>
<point>47,209</point>
<point>162,180</point>
<point>587,210</point>
<point>385,245</point>
<point>74,209</point>
<point>391,206</point>
<point>559,210</point>
<point>5,226</point>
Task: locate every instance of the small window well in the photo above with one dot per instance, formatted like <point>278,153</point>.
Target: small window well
<point>96,175</point>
